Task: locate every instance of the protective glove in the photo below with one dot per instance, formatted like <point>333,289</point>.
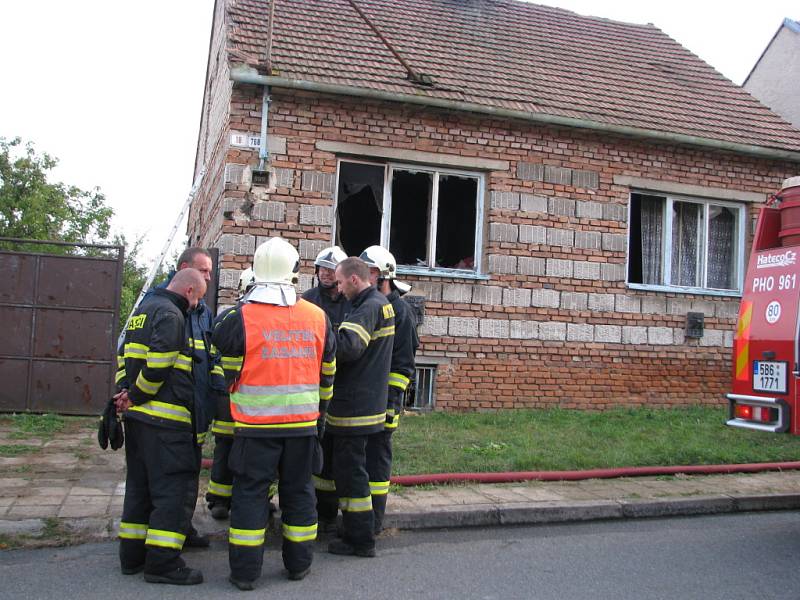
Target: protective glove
<point>110,430</point>
<point>321,428</point>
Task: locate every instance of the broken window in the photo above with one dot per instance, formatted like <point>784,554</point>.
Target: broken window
<point>428,218</point>
<point>420,394</point>
<point>686,242</point>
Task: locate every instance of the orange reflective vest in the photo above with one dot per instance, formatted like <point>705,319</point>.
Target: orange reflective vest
<point>278,388</point>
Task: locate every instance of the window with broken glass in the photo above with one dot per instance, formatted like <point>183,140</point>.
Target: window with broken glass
<point>688,244</point>
<point>429,218</point>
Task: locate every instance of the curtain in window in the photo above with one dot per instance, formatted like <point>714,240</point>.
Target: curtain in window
<point>652,210</point>
<point>685,222</point>
<point>721,254</point>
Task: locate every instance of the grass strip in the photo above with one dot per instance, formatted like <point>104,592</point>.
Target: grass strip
<point>558,439</point>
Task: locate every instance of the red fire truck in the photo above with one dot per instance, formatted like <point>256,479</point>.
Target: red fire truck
<point>766,349</point>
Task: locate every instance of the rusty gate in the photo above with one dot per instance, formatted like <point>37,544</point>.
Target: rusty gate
<point>58,319</point>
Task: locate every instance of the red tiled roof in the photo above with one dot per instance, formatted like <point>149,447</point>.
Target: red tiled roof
<point>508,54</point>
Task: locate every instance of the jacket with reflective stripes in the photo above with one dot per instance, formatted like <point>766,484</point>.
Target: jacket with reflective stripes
<point>336,309</point>
<point>404,348</point>
<point>158,364</point>
<point>280,362</point>
<point>364,353</point>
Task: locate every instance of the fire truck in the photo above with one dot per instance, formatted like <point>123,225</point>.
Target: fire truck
<point>766,348</point>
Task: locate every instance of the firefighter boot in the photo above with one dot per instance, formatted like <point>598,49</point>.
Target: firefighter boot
<point>180,576</point>
<point>343,548</point>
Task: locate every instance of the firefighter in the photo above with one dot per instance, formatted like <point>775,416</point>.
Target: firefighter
<point>220,482</point>
<point>358,409</point>
<point>327,296</point>
<point>208,376</point>
<point>382,270</point>
<point>157,398</point>
<point>287,355</point>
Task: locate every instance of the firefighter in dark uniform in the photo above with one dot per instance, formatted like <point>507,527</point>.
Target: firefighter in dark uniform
<point>157,399</point>
<point>220,481</point>
<point>383,269</point>
<point>288,360</point>
<point>327,296</point>
<point>358,409</point>
<point>209,380</point>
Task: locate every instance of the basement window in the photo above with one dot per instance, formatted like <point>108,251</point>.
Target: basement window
<point>685,244</point>
<point>429,218</point>
<point>420,394</point>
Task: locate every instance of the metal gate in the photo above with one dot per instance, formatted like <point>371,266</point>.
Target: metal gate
<point>58,317</point>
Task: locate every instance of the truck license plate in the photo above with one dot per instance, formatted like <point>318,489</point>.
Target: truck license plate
<point>769,376</point>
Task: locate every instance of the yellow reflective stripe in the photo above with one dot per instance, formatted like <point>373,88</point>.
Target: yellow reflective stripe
<point>219,489</point>
<point>392,421</point>
<point>134,350</point>
<point>325,393</point>
<point>399,380</point>
<point>165,539</point>
<point>246,537</point>
<point>276,425</point>
<point>383,332</point>
<point>323,485</point>
<point>232,363</point>
<point>217,370</point>
<point>161,360</point>
<point>378,488</point>
<point>329,368</point>
<point>197,344</point>
<point>300,533</point>
<point>183,363</point>
<point>222,427</point>
<point>120,362</point>
<point>355,421</point>
<point>132,531</point>
<point>358,329</point>
<point>148,387</point>
<point>201,438</point>
<point>355,504</point>
<point>164,410</point>
<point>120,376</point>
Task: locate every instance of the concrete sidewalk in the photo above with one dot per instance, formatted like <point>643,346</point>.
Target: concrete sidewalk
<point>67,488</point>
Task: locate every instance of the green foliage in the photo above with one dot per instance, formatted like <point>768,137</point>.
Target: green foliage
<point>33,208</point>
<point>557,439</point>
<point>9,450</point>
<point>27,425</point>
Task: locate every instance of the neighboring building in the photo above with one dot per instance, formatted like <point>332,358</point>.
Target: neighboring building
<point>775,78</point>
<point>572,198</point>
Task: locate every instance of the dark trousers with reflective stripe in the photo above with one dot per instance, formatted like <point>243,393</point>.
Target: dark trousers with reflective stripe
<point>327,499</point>
<point>221,474</point>
<point>256,462</point>
<point>352,487</point>
<point>160,475</point>
<point>379,468</point>
<point>191,496</point>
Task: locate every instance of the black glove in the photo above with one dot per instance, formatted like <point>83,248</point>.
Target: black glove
<point>321,428</point>
<point>110,430</point>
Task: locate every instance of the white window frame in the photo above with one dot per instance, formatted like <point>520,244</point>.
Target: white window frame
<point>435,172</point>
<point>740,208</point>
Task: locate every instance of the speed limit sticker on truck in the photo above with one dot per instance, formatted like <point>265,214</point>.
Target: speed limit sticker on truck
<point>769,376</point>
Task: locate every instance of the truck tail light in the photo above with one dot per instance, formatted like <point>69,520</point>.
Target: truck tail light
<point>743,411</point>
<point>757,412</point>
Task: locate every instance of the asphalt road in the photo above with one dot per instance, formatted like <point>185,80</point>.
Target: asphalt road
<point>747,556</point>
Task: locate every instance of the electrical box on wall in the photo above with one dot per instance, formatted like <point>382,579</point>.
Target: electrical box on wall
<point>694,324</point>
<point>259,177</point>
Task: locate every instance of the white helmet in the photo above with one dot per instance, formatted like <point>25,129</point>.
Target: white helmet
<point>330,257</point>
<point>378,257</point>
<point>246,280</point>
<point>276,261</point>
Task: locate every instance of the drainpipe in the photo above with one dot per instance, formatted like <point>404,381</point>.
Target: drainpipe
<point>263,150</point>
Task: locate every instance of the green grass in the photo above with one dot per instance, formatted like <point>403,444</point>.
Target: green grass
<point>9,450</point>
<point>556,439</point>
<point>27,425</point>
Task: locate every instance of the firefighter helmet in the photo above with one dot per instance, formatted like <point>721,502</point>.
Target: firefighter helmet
<point>330,257</point>
<point>276,261</point>
<point>378,257</point>
<point>246,280</point>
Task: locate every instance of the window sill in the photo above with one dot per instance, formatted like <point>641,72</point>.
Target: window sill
<point>685,290</point>
<point>452,273</point>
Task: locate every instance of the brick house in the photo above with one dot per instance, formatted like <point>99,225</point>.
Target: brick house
<point>572,198</point>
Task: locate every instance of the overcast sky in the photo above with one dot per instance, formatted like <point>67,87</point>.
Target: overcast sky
<point>115,89</point>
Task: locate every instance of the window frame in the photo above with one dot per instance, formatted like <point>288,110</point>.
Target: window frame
<point>740,209</point>
<point>386,218</point>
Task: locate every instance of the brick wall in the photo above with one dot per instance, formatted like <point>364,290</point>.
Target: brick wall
<point>555,323</point>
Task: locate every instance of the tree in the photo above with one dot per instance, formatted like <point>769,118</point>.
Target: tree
<point>33,208</point>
